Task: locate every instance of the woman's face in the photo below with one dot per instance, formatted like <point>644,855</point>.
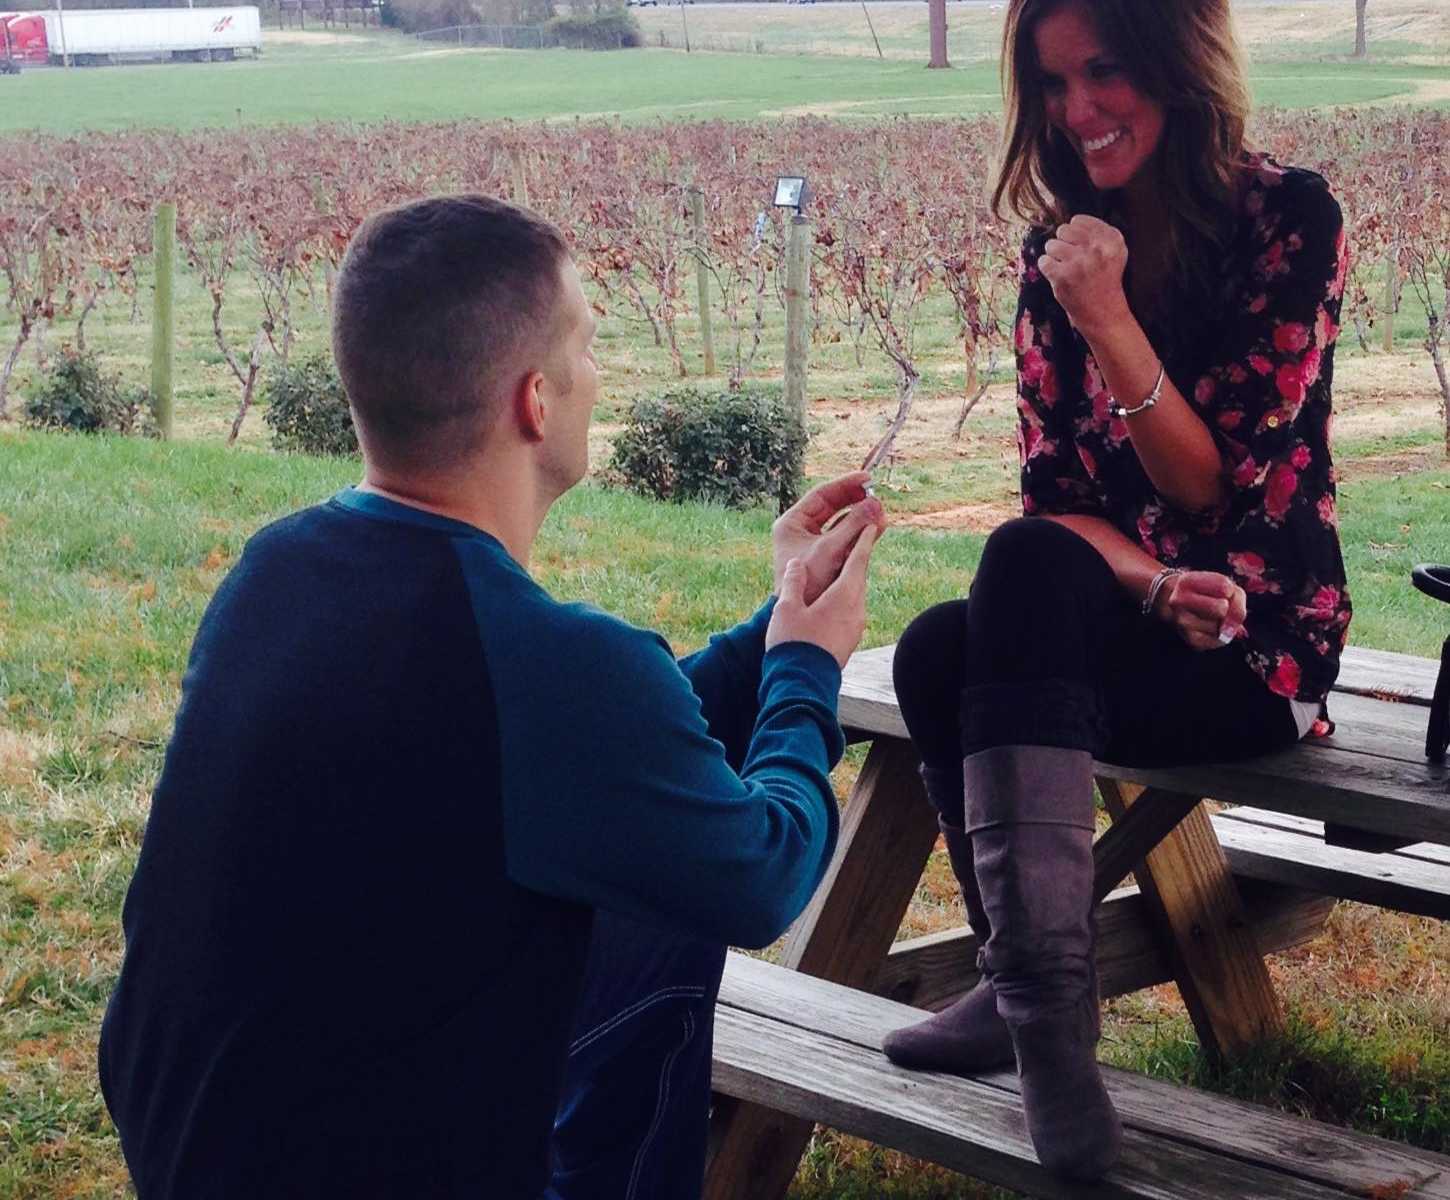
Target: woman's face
<point>1090,97</point>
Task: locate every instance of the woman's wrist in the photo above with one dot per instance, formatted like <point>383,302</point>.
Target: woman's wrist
<point>1160,592</point>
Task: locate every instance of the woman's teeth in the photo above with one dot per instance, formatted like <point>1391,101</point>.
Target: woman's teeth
<point>1103,142</point>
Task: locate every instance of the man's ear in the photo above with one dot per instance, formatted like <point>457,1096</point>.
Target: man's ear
<point>528,406</point>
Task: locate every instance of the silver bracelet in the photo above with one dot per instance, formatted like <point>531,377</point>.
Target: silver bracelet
<point>1156,586</point>
<point>1117,410</point>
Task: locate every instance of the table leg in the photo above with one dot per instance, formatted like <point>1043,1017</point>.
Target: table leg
<point>887,834</point>
<point>1187,887</point>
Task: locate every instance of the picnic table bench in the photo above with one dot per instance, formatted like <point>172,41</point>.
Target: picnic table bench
<point>1360,815</point>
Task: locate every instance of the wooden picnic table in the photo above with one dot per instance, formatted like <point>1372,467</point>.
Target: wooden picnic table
<point>1369,785</point>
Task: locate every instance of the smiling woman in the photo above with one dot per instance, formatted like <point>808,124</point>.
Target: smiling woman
<point>1175,590</point>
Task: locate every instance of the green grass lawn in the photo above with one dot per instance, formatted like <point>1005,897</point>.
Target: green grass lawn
<point>110,550</point>
<point>377,77</point>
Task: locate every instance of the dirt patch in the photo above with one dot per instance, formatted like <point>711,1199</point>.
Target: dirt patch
<point>1400,462</point>
<point>962,518</point>
<point>1378,395</point>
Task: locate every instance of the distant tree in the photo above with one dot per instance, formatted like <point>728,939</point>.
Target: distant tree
<point>1359,42</point>
<point>937,17</point>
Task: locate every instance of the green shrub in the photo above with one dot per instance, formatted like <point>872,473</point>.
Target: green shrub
<point>610,29</point>
<point>415,16</point>
<point>307,408</point>
<point>734,448</point>
<point>77,394</point>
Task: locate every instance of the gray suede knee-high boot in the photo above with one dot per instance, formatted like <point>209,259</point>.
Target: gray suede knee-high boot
<point>1029,813</point>
<point>968,1036</point>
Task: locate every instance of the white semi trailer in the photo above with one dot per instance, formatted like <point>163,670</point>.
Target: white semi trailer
<point>98,35</point>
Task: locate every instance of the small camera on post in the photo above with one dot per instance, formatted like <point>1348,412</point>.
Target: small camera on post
<point>792,191</point>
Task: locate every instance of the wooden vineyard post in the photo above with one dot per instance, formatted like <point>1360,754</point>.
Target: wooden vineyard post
<point>163,316</point>
<point>797,303</point>
<point>1392,301</point>
<point>521,180</point>
<point>702,275</point>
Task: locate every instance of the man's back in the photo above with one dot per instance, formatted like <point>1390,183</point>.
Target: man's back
<point>323,963</point>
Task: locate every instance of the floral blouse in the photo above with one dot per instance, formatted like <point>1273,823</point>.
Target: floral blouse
<point>1255,361</point>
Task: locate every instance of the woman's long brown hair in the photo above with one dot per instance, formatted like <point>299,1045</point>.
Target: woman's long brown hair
<point>1181,53</point>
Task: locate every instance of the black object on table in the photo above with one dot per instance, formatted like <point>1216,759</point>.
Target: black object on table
<point>1435,581</point>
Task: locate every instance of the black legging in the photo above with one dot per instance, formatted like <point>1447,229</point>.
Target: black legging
<point>1048,650</point>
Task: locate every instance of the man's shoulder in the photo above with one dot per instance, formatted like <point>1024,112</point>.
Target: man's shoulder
<point>519,618</point>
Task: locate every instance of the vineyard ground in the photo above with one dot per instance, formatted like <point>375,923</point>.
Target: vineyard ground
<point>376,76</point>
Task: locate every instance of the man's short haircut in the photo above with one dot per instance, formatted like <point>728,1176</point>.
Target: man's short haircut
<point>435,304</point>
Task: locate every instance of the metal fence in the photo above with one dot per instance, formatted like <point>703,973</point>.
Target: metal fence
<point>510,37</point>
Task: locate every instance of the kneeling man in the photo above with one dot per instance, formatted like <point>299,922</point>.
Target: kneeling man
<point>439,871</point>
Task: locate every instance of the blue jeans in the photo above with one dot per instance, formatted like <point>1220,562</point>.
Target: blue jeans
<point>634,1116</point>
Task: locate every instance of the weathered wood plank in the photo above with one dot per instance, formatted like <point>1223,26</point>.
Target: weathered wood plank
<point>1380,672</point>
<point>932,971</point>
<point>1426,852</point>
<point>1190,894</point>
<point>1341,1159</point>
<point>1119,850</point>
<point>887,833</point>
<point>1383,728</point>
<point>1371,775</point>
<point>1412,800</point>
<point>963,1125</point>
<point>1299,859</point>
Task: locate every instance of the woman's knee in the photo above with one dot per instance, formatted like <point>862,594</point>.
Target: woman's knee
<point>930,647</point>
<point>1032,551</point>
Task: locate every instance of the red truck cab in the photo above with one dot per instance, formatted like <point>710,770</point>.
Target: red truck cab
<point>25,37</point>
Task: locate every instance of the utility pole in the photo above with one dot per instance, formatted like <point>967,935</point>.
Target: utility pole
<point>60,24</point>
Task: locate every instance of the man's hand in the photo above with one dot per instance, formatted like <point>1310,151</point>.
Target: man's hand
<point>836,620</point>
<point>797,533</point>
<point>1084,262</point>
<point>1206,609</point>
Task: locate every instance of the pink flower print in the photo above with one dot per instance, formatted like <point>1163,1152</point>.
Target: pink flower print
<point>1283,483</point>
<point>1290,337</point>
<point>1309,367</point>
<point>1236,373</point>
<point>1246,473</point>
<point>1170,546</point>
<point>1254,204</point>
<point>1248,569</point>
<point>1092,379</point>
<point>1327,512</point>
<point>1022,335</point>
<point>1029,441</point>
<point>1326,601</point>
<point>1261,364</point>
<point>1230,418</point>
<point>1325,330</point>
<point>1033,365</point>
<point>1285,679</point>
<point>1088,461</point>
<point>1047,389</point>
<point>1290,384</point>
<point>1259,303</point>
<point>1145,535</point>
<point>1301,457</point>
<point>1295,242</point>
<point>1203,390</point>
<point>1029,505</point>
